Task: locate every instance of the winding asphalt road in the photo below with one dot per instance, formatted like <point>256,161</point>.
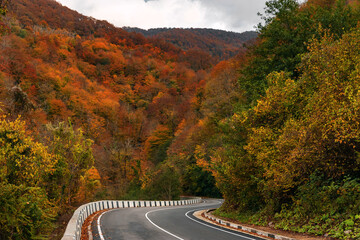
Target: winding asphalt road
<point>161,223</point>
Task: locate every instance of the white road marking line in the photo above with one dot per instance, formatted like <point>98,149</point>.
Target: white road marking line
<point>99,228</point>
<point>163,209</point>
<point>101,235</point>
<point>146,215</point>
<point>222,230</point>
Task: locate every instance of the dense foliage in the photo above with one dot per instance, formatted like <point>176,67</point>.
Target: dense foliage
<point>219,44</point>
<point>91,111</point>
<point>24,167</point>
<point>290,154</point>
<point>88,111</point>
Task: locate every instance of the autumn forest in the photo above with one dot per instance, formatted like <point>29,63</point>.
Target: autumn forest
<point>269,121</point>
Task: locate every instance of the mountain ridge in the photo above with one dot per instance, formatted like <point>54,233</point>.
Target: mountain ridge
<point>219,43</point>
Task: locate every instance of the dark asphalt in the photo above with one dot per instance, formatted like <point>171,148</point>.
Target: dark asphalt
<point>162,223</point>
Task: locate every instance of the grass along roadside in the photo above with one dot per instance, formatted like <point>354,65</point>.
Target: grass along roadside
<point>247,220</point>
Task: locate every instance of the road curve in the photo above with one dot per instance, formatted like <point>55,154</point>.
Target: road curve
<point>161,223</point>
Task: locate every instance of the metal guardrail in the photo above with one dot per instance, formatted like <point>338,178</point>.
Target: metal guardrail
<point>73,229</point>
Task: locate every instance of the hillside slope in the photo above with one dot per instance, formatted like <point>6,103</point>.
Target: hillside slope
<point>103,105</point>
<point>220,44</point>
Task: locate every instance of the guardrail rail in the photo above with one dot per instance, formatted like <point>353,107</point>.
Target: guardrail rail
<point>73,229</point>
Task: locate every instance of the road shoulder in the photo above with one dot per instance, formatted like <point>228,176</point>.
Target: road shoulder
<point>267,232</point>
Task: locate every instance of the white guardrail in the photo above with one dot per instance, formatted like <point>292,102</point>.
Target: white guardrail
<point>73,229</point>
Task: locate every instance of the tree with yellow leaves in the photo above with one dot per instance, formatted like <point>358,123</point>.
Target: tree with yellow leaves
<point>25,210</point>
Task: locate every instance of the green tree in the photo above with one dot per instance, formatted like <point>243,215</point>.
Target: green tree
<point>157,144</point>
<point>197,182</point>
<point>165,184</point>
<point>284,36</point>
<point>74,157</point>
<point>309,128</point>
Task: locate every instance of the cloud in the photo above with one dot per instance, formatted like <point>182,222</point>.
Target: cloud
<point>237,15</point>
<point>80,6</point>
<point>232,15</point>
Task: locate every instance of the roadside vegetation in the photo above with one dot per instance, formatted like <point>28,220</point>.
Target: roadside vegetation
<point>296,164</point>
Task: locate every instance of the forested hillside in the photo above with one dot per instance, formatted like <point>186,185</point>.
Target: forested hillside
<point>90,111</point>
<point>219,44</point>
<point>288,155</point>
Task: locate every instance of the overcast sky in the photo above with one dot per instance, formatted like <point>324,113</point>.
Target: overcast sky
<point>230,15</point>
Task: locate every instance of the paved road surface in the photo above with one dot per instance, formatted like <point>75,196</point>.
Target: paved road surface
<point>162,223</point>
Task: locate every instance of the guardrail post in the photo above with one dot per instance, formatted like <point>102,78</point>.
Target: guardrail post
<point>73,229</point>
